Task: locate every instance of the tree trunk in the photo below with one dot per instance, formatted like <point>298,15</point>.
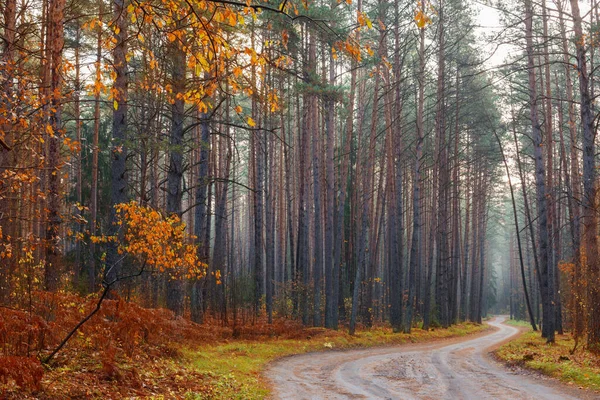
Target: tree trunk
<point>119,135</point>
<point>175,173</point>
<point>318,223</point>
<point>331,277</point>
<point>590,220</point>
<point>464,303</point>
<point>415,249</point>
<point>95,150</point>
<point>443,184</point>
<point>53,248</point>
<point>545,275</point>
<point>201,217</point>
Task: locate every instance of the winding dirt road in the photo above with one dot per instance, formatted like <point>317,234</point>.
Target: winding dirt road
<point>450,369</point>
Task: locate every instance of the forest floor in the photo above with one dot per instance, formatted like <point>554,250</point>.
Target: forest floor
<point>580,369</point>
<point>458,368</point>
<point>126,351</point>
<point>239,365</point>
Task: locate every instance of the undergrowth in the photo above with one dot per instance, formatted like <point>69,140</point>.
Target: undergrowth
<point>580,369</point>
<point>127,351</point>
<point>124,350</point>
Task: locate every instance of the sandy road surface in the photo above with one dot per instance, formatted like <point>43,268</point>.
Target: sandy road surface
<point>451,369</point>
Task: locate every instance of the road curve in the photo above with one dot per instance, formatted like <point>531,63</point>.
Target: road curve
<point>455,369</point>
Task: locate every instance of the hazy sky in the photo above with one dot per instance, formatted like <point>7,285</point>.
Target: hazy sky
<point>489,22</point>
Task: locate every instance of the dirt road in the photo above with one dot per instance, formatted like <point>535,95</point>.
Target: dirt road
<point>454,369</point>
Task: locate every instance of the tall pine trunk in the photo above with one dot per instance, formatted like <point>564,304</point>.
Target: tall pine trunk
<point>541,198</point>
<point>590,220</point>
<point>53,247</point>
<point>118,178</point>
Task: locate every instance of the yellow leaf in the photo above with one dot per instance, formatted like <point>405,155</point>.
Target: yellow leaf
<point>251,122</point>
<point>203,62</point>
<point>116,105</point>
<point>421,19</point>
<point>369,23</point>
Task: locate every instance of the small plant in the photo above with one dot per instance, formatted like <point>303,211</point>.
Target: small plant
<point>154,240</point>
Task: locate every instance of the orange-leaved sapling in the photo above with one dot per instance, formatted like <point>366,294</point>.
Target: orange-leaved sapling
<point>157,242</point>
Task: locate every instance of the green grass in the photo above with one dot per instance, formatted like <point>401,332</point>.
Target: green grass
<point>581,369</point>
<point>517,322</point>
<point>234,368</point>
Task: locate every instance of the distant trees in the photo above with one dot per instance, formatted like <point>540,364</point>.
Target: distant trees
<point>561,223</point>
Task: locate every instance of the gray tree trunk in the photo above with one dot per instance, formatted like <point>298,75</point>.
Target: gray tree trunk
<point>118,178</point>
<point>544,257</point>
<point>175,172</point>
<point>590,219</point>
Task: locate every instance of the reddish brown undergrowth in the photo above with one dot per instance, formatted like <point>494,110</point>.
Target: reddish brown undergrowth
<point>124,350</point>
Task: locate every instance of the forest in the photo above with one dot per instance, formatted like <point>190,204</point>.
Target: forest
<point>181,170</point>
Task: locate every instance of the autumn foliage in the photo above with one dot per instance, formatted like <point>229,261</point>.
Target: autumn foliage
<point>118,328</point>
<point>158,241</point>
<point>124,350</point>
<point>119,334</point>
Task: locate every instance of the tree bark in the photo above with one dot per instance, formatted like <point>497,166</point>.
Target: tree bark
<point>416,246</point>
<point>542,209</point>
<point>175,172</point>
<point>590,220</point>
<point>53,248</point>
<point>119,179</point>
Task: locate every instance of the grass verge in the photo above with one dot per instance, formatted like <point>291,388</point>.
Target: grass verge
<point>517,322</point>
<point>530,350</point>
<point>235,367</point>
